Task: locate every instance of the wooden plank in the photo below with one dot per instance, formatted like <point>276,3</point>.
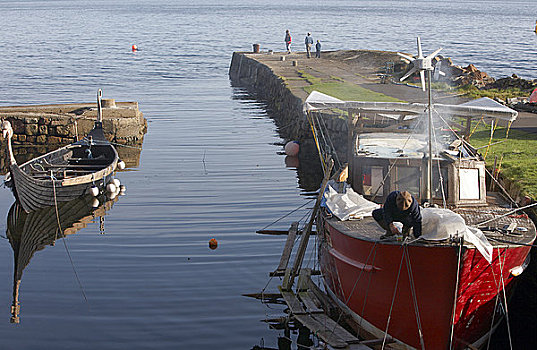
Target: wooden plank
<point>288,248</point>
<point>321,331</point>
<point>309,303</point>
<point>335,328</point>
<point>294,304</point>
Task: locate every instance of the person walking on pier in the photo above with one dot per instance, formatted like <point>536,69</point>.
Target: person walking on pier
<point>318,49</point>
<point>288,41</point>
<point>308,41</point>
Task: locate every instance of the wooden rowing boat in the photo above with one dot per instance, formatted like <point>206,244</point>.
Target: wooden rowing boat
<point>64,174</point>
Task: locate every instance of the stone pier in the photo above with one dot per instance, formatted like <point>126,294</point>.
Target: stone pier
<point>41,128</point>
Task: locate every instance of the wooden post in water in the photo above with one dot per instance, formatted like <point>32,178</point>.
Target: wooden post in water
<point>291,274</point>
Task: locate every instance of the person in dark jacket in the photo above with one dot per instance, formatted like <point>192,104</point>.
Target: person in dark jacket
<point>318,49</point>
<point>400,207</point>
<point>308,41</point>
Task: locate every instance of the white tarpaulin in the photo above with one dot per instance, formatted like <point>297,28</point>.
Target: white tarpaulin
<point>439,224</point>
<point>348,205</point>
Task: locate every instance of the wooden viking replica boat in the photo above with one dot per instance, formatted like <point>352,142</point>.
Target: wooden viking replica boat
<point>449,288</point>
<point>32,232</point>
<point>64,174</point>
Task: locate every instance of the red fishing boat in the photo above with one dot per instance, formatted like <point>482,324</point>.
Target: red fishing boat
<point>449,288</point>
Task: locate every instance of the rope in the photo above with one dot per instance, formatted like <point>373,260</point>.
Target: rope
<point>63,240</point>
<point>413,291</point>
<point>381,185</point>
<point>511,242</point>
<point>286,215</point>
<point>329,139</point>
<point>461,245</point>
<point>441,178</point>
<point>316,141</point>
<point>505,301</point>
<point>393,301</point>
<point>506,214</point>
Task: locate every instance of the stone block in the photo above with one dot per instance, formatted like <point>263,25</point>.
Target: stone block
<point>43,130</point>
<point>41,139</point>
<point>30,139</point>
<point>31,120</point>
<point>54,140</point>
<point>44,121</point>
<point>63,130</point>
<point>31,129</point>
<point>21,138</point>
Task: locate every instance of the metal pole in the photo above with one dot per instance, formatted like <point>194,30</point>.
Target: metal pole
<point>430,160</point>
<point>99,107</point>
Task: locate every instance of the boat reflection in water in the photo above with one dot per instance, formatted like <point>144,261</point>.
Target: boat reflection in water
<point>31,232</point>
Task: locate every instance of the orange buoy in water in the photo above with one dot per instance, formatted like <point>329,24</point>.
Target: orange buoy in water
<point>134,47</point>
<point>213,243</point>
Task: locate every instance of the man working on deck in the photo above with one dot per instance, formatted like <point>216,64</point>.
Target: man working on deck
<point>400,207</point>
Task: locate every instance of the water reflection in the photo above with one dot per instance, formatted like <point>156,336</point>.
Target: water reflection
<point>31,232</point>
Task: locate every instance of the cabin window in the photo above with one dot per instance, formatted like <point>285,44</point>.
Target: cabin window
<point>469,183</point>
<point>371,180</point>
<point>408,179</point>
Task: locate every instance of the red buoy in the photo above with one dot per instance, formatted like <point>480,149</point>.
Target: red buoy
<point>134,47</point>
<point>213,243</point>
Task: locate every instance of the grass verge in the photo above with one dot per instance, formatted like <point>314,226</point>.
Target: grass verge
<point>518,156</point>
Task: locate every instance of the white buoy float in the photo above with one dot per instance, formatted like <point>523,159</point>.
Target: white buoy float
<point>291,148</point>
<point>94,191</point>
<point>122,190</point>
<point>121,165</point>
<point>95,203</point>
<point>116,182</point>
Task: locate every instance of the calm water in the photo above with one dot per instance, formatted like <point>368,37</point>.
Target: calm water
<point>210,165</point>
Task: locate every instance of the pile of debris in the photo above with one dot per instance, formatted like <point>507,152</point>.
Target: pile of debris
<point>460,76</point>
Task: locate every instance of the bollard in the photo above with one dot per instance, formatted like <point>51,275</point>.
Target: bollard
<point>108,103</point>
<point>256,48</point>
<point>282,58</point>
<point>295,63</point>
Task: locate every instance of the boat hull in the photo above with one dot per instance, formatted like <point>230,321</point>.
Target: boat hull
<point>411,291</point>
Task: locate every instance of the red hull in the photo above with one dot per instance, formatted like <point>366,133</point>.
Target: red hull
<point>363,275</point>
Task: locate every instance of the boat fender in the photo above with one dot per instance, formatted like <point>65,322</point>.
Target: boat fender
<point>121,165</point>
<point>122,190</point>
<point>111,188</point>
<point>95,203</point>
<point>116,183</point>
<point>291,148</point>
<point>94,191</point>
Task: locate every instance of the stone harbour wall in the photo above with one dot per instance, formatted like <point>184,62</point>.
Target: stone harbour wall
<point>41,129</point>
<point>62,124</point>
<point>286,108</point>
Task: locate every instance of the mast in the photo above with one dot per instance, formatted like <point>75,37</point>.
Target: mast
<point>424,64</point>
<point>430,159</point>
<point>99,107</point>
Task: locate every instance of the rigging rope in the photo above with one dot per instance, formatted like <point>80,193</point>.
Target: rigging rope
<point>461,245</point>
<point>393,301</point>
<point>64,238</point>
<point>413,292</point>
